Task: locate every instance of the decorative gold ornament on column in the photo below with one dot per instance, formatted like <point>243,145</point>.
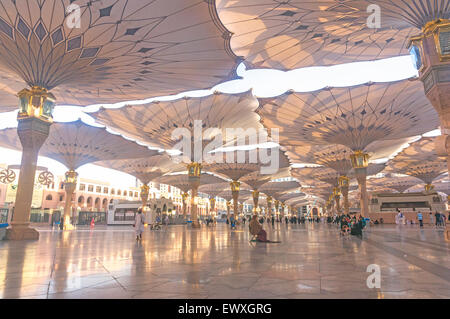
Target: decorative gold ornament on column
<point>255,196</point>
<point>194,173</point>
<point>344,184</point>
<point>35,117</point>
<point>70,184</point>
<point>235,187</point>
<point>429,188</point>
<point>432,56</point>
<point>360,162</point>
<point>145,192</point>
<point>269,205</point>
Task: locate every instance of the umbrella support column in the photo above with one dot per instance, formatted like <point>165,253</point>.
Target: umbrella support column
<point>35,119</point>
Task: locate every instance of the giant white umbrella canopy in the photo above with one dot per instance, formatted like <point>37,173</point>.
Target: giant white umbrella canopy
<point>75,144</point>
<point>288,196</point>
<point>214,189</point>
<point>228,195</point>
<point>420,160</point>
<point>426,171</point>
<point>145,169</point>
<point>311,174</point>
<point>440,185</point>
<point>93,52</point>
<point>354,117</point>
<point>305,152</point>
<point>155,122</point>
<point>193,123</point>
<point>276,189</point>
<point>255,180</point>
<point>297,33</point>
<point>123,50</point>
<point>398,183</point>
<point>237,164</point>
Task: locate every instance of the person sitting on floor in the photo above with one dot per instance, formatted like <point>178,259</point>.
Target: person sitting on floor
<point>256,229</point>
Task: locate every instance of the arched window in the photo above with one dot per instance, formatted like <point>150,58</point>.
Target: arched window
<point>89,200</point>
<point>81,199</point>
<point>119,192</point>
<point>49,197</point>
<point>111,201</point>
<point>124,193</point>
<point>113,191</point>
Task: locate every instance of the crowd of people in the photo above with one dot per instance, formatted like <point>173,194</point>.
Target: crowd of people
<point>437,219</point>
<point>348,225</point>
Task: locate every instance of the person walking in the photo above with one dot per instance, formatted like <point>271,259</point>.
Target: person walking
<point>420,219</point>
<point>438,219</point>
<point>431,219</point>
<point>139,224</point>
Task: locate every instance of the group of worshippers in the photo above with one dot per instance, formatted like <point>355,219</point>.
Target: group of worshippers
<point>351,225</point>
<point>287,220</point>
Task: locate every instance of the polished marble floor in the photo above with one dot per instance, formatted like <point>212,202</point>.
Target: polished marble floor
<point>312,261</point>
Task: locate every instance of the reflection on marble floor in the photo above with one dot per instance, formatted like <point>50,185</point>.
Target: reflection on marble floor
<point>312,261</point>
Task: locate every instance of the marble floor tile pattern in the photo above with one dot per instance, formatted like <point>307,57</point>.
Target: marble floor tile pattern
<point>312,261</point>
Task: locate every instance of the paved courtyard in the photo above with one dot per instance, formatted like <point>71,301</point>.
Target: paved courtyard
<point>312,261</point>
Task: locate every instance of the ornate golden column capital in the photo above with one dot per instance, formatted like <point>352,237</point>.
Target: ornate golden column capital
<point>36,102</point>
<point>359,159</point>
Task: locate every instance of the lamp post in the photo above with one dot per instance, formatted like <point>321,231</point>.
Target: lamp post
<point>35,118</point>
<point>360,162</point>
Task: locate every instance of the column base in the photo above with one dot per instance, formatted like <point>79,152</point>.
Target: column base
<point>195,224</point>
<point>69,227</point>
<point>22,233</point>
